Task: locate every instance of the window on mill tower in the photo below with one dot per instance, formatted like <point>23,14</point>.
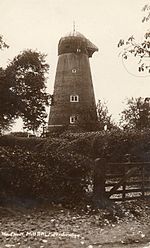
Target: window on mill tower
<point>74,98</point>
<point>73,119</point>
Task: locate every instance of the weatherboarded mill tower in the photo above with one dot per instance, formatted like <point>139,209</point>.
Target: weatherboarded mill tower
<point>73,103</point>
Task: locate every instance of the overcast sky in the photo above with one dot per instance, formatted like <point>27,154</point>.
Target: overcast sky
<point>39,24</point>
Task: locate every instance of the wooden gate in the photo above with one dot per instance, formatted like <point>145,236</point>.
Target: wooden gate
<point>127,181</point>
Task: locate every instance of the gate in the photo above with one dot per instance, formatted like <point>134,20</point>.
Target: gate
<point>124,181</point>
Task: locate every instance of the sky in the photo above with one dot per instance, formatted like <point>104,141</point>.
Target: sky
<point>39,24</point>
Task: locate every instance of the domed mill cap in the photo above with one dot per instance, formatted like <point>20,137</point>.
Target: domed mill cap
<point>75,42</point>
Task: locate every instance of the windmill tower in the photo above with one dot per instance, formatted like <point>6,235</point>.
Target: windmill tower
<point>73,101</point>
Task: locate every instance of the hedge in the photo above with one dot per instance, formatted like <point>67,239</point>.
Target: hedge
<point>60,169</point>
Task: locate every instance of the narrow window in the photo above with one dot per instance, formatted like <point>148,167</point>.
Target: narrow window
<point>73,119</point>
<point>74,98</point>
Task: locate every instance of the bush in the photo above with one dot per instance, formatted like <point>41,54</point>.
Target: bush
<point>20,134</point>
<point>43,172</point>
<point>116,144</point>
<point>111,145</point>
<point>60,169</point>
<point>12,141</point>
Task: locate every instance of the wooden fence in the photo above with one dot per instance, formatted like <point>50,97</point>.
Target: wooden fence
<point>125,181</point>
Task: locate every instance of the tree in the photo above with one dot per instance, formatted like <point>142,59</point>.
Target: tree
<point>5,107</point>
<point>137,114</point>
<point>2,43</point>
<point>141,50</point>
<point>7,102</point>
<point>104,118</point>
<point>25,76</point>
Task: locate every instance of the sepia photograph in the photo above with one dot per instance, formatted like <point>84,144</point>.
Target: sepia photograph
<point>74,124</point>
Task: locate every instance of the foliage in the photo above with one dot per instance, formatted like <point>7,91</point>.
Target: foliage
<point>112,145</point>
<point>25,76</point>
<point>141,50</point>
<point>24,142</point>
<point>136,114</point>
<point>5,120</point>
<point>2,43</point>
<point>8,103</point>
<point>94,119</point>
<point>22,89</point>
<point>104,118</point>
<point>146,9</point>
<point>20,134</point>
<point>60,169</point>
<point>50,172</point>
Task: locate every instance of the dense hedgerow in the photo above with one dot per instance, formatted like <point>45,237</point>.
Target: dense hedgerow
<point>43,171</point>
<point>60,169</point>
<point>12,141</point>
<point>113,145</point>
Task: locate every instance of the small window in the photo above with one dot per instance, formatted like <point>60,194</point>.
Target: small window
<point>74,70</point>
<point>73,119</point>
<point>74,98</point>
<point>78,50</point>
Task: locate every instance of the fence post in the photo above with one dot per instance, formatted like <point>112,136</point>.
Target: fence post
<point>99,195</point>
<point>127,160</point>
